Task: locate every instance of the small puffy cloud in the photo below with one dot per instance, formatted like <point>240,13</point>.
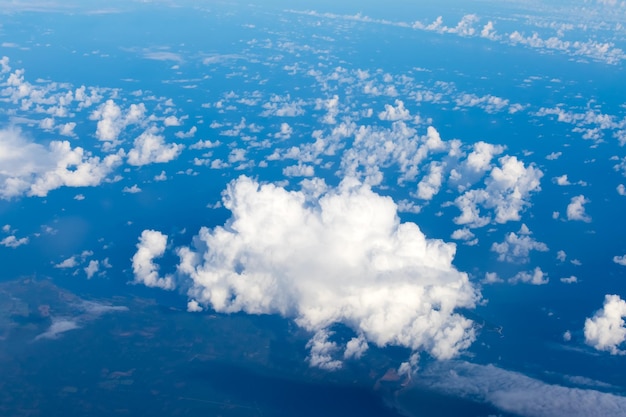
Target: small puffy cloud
<point>151,245</point>
<point>620,260</point>
<point>492,278</point>
<point>322,351</point>
<point>508,189</point>
<point>194,307</point>
<point>150,147</point>
<point>621,189</point>
<point>391,113</point>
<point>29,168</point>
<point>576,209</point>
<point>517,247</point>
<point>132,190</point>
<point>67,263</point>
<point>299,170</point>
<point>554,156</point>
<point>112,121</point>
<point>561,256</point>
<point>605,330</point>
<point>343,257</point>
<point>92,268</point>
<point>569,280</point>
<point>429,186</point>
<point>536,277</point>
<point>171,121</point>
<point>285,131</point>
<point>462,234</point>
<point>13,242</point>
<point>188,134</point>
<point>355,348</point>
<point>562,180</point>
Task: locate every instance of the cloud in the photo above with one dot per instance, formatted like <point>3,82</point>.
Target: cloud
<point>92,268</point>
<point>57,327</point>
<point>620,260</point>
<point>13,242</point>
<point>576,209</point>
<point>151,245</point>
<point>513,392</point>
<point>33,169</point>
<point>112,121</point>
<point>536,277</point>
<point>391,113</point>
<point>163,56</point>
<point>67,263</point>
<point>507,191</point>
<point>516,248</point>
<point>605,330</point>
<point>430,185</point>
<point>341,258</point>
<point>150,147</point>
<point>132,190</point>
<point>569,280</point>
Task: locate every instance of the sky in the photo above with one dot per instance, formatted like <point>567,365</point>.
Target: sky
<point>441,186</point>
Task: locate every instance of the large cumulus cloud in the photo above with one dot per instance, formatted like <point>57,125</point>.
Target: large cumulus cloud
<point>339,257</point>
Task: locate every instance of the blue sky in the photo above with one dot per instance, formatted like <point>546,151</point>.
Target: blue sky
<point>445,179</point>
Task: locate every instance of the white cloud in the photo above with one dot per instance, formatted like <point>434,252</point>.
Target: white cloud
<point>112,121</point>
<point>517,247</point>
<point>188,134</point>
<point>171,121</point>
<point>33,169</point>
<point>13,242</point>
<point>194,307</point>
<point>299,170</point>
<point>620,260</point>
<point>161,177</point>
<point>57,327</point>
<point>562,180</point>
<point>507,192</point>
<point>322,351</point>
<point>621,189</point>
<point>536,277</point>
<point>132,190</point>
<point>576,209</point>
<point>92,268</point>
<point>355,348</point>
<point>151,245</point>
<point>462,234</point>
<point>605,330</point>
<point>67,263</point>
<point>282,107</point>
<point>569,280</point>
<point>561,255</point>
<point>429,186</point>
<point>518,394</point>
<point>4,65</point>
<point>150,147</point>
<point>391,113</point>
<point>342,258</point>
<point>492,278</point>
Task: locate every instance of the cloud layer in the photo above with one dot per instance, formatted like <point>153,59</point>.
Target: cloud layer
<point>341,258</point>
